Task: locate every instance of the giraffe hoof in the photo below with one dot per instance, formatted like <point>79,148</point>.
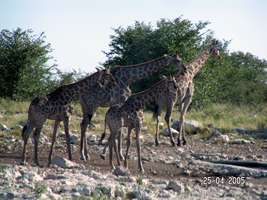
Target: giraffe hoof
<point>156,143</point>
<point>103,156</point>
<point>179,143</point>
<point>83,158</point>
<point>37,163</point>
<point>23,162</point>
<point>142,171</point>
<point>122,157</point>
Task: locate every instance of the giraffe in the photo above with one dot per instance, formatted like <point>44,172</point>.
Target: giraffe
<point>186,88</point>
<point>56,106</point>
<point>125,76</point>
<point>163,93</point>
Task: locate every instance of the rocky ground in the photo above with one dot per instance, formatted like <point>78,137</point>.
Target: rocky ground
<point>170,172</point>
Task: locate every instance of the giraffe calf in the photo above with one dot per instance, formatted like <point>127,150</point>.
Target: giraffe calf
<point>128,115</point>
<point>114,121</point>
<point>119,127</point>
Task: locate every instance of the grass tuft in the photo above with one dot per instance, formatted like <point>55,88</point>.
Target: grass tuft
<point>223,116</point>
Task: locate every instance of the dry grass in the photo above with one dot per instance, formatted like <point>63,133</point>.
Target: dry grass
<point>223,116</point>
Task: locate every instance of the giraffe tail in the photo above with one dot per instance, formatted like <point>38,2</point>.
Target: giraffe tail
<point>156,111</point>
<point>103,135</point>
<point>26,131</point>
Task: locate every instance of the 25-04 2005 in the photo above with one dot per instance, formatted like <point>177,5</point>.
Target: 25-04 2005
<point>231,180</point>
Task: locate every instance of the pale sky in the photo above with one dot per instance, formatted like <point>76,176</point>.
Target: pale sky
<point>79,30</point>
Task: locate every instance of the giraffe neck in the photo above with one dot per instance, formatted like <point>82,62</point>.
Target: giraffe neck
<point>195,66</point>
<point>145,98</point>
<point>72,92</point>
<point>133,73</point>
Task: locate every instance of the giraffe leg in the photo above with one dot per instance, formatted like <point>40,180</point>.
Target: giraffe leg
<point>157,113</point>
<point>119,145</point>
<point>67,134</point>
<point>57,122</point>
<point>103,155</point>
<point>157,132</point>
<point>187,101</point>
<point>36,136</point>
<point>140,165</point>
<point>111,144</point>
<point>26,132</point>
<point>85,141</point>
<point>179,138</point>
<point>116,152</point>
<point>167,119</point>
<point>103,134</point>
<point>128,147</point>
<point>84,124</point>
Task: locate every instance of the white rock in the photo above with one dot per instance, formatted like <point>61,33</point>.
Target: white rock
<point>180,150</point>
<point>222,138</point>
<point>43,197</point>
<point>82,189</point>
<point>144,128</point>
<point>159,181</point>
<point>3,127</point>
<point>119,171</point>
<point>165,132</point>
<point>217,136</point>
<point>176,186</point>
<point>73,139</point>
<point>54,196</point>
<point>161,125</point>
<point>241,130</point>
<point>63,162</point>
<point>103,190</point>
<point>119,192</point>
<point>92,139</point>
<point>191,126</point>
<point>240,141</point>
<point>164,194</point>
<point>7,195</point>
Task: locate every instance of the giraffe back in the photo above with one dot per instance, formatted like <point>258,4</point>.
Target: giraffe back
<point>160,93</point>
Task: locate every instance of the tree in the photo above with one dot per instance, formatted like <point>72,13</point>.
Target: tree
<point>24,67</point>
<point>234,78</point>
<point>244,79</point>
<point>69,77</point>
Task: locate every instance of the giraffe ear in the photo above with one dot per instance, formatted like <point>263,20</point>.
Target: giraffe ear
<point>163,77</point>
<point>177,56</point>
<point>108,70</point>
<point>100,84</point>
<point>42,100</point>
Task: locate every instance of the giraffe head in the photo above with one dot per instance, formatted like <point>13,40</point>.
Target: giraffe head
<point>175,59</point>
<point>106,79</point>
<point>171,83</point>
<point>214,48</point>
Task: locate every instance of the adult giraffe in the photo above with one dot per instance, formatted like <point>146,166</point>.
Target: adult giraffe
<point>185,89</point>
<point>125,76</point>
<point>56,106</point>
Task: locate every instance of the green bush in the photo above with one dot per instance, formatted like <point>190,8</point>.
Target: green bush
<point>23,64</point>
<point>237,78</point>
